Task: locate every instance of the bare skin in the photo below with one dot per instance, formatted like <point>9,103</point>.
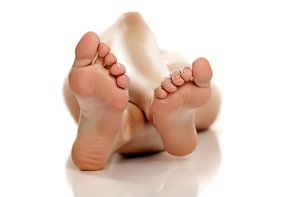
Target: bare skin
<point>146,106</point>
<point>174,104</point>
<point>94,84</point>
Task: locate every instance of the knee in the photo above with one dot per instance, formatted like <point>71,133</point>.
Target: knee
<point>131,19</point>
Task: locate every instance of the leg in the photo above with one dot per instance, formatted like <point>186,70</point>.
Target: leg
<point>134,43</point>
<point>171,106</point>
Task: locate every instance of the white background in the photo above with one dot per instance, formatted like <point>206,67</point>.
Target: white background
<point>251,46</point>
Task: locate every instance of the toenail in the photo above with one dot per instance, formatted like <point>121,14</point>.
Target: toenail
<point>177,76</point>
<point>186,70</point>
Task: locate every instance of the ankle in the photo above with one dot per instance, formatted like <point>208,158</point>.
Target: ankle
<point>147,107</point>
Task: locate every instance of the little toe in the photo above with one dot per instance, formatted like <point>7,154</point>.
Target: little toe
<point>168,85</point>
<point>123,81</point>
<point>159,92</point>
<point>110,59</point>
<point>117,69</point>
<point>176,78</point>
<point>186,73</point>
<point>86,49</point>
<point>202,72</point>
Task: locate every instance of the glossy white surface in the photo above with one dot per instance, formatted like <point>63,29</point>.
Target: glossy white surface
<point>249,151</point>
<point>153,175</point>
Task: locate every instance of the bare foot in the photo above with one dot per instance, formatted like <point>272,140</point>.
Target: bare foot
<point>174,103</point>
<point>101,88</point>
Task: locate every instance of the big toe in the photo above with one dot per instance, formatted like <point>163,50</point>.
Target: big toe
<point>86,49</point>
<point>202,72</point>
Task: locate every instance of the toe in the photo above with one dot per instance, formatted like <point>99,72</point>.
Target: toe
<point>167,85</point>
<point>86,49</point>
<point>123,81</point>
<point>103,51</point>
<point>176,78</point>
<point>186,73</point>
<point>110,59</point>
<point>202,72</point>
<point>159,92</point>
<point>117,69</point>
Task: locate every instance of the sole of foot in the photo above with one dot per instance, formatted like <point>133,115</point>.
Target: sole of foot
<point>174,103</point>
<point>100,86</point>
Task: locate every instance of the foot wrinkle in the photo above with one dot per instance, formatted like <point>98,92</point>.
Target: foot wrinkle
<point>102,103</point>
<point>179,105</point>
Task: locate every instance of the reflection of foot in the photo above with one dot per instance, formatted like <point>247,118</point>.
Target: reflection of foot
<point>174,104</point>
<point>100,86</point>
